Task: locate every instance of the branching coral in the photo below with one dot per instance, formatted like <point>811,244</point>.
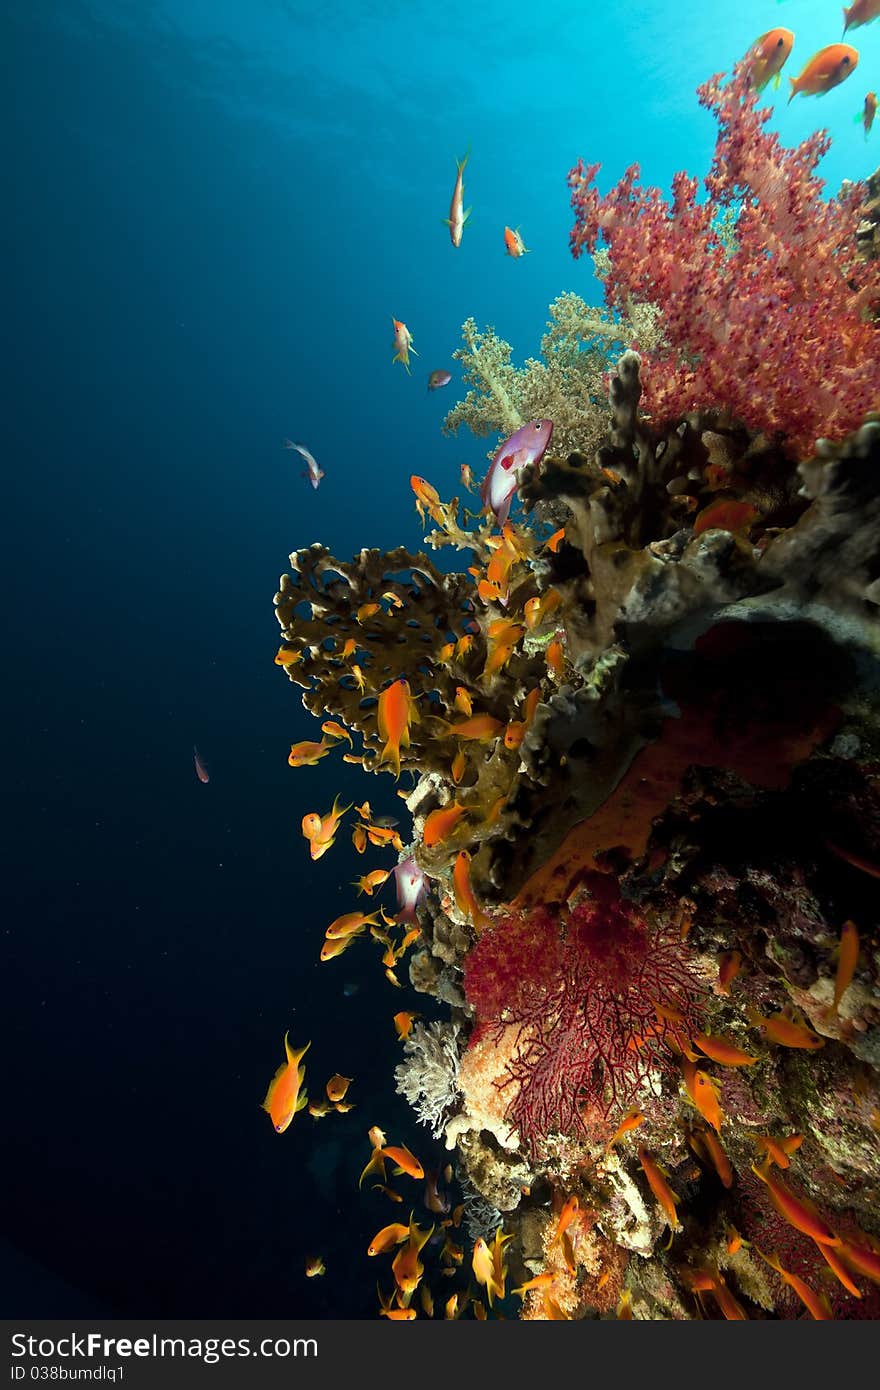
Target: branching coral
<point>777,329</point>
<point>428,1077</point>
<point>565,384</point>
<point>592,992</point>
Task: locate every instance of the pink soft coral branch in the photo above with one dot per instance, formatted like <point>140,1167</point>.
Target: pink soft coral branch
<point>776,331</point>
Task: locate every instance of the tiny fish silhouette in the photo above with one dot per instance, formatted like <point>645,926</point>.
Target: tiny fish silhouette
<point>201,770</point>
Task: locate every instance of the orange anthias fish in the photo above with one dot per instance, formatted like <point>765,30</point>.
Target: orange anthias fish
<point>308,753</point>
<point>368,883</point>
<point>729,966</point>
<point>457,217</point>
<point>397,710</point>
<point>703,1092</point>
<point>387,1238</point>
<point>661,1190</point>
<point>817,1307</point>
<point>464,894</point>
<point>320,831</point>
<point>403,1022</point>
<point>795,1210</point>
<point>568,1213</point>
<point>481,728</point>
<point>513,243</point>
<point>405,1162</point>
<point>201,770</point>
<point>406,1267</point>
<point>826,69</point>
<point>767,56</point>
<point>626,1126</point>
<point>781,1029</point>
<point>860,12</point>
<point>440,824</point>
<point>847,961</point>
<point>285,1095</point>
<point>337,1087</point>
<point>315,1266</point>
<point>402,343</point>
<point>778,1151</point>
<point>720,1050</point>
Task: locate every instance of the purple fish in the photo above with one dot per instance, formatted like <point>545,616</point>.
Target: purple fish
<point>201,770</point>
<point>438,378</point>
<point>527,445</point>
<point>314,474</point>
<point>411,888</point>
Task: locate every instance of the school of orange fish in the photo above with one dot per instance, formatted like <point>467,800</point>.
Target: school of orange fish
<point>847,1257</point>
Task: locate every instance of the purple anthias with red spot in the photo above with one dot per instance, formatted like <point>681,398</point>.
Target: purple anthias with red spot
<point>411,888</point>
<point>528,445</point>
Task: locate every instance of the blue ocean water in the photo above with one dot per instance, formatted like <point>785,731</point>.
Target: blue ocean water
<point>214,210</point>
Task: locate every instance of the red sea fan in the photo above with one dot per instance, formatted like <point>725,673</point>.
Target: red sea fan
<point>582,988</point>
<point>776,327</point>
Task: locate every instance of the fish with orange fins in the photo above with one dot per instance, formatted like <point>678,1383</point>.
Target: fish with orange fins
<point>387,1238</point>
<point>404,1160</point>
<point>337,1086</point>
<point>320,831</point>
<point>285,1095</point>
<point>406,1266</point>
<point>767,56</point>
<point>513,243</point>
<point>847,961</point>
<point>315,1266</point>
<point>661,1190</point>
<point>397,710</point>
<point>308,753</point>
<point>781,1029</point>
<point>464,894</point>
<point>402,343</point>
<point>703,1091</point>
<point>826,69</point>
<point>729,966</point>
<point>403,1022</point>
<point>626,1126</point>
<point>797,1211</point>
<point>723,1051</point>
<point>440,824</point>
<point>457,216</point>
<point>778,1151</point>
<point>860,12</point>
<point>815,1305</point>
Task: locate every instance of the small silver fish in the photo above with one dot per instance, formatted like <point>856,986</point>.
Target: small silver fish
<point>438,378</point>
<point>314,474</point>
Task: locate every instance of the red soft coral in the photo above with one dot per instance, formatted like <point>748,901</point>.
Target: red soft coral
<point>777,329</point>
<point>582,987</point>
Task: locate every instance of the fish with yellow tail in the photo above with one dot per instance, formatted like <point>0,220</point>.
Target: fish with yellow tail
<point>457,216</point>
<point>767,56</point>
<point>402,343</point>
<point>285,1095</point>
<point>406,1266</point>
<point>320,831</point>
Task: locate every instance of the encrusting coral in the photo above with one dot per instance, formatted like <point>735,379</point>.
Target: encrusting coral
<point>645,726</point>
